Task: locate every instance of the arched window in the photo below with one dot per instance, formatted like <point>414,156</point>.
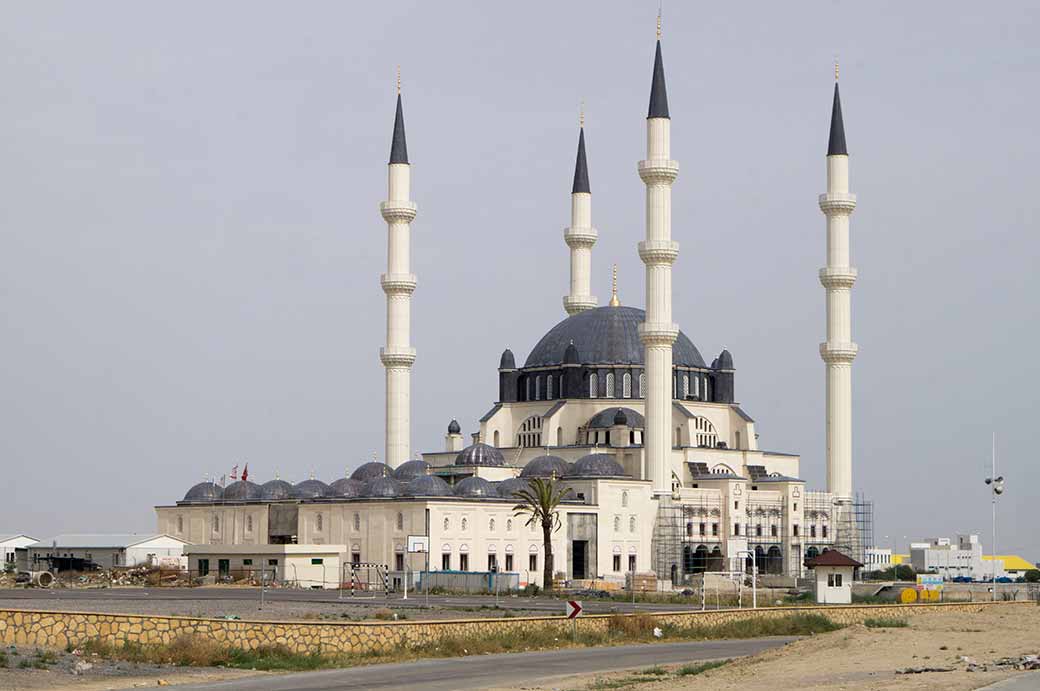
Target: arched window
<point>357,521</point>
<point>707,437</point>
<point>548,387</point>
<point>593,386</point>
<point>496,438</point>
<point>689,529</point>
<point>632,524</point>
<point>491,525</point>
<point>642,384</point>
<point>624,499</point>
<point>180,524</point>
<point>319,522</point>
<point>530,434</point>
<point>617,524</point>
<point>707,389</point>
<point>696,385</point>
<point>446,523</point>
<point>216,524</point>
<point>400,521</point>
<point>686,385</point>
<point>626,385</point>
<point>538,388</point>
<point>610,385</point>
<point>527,388</point>
<point>559,436</point>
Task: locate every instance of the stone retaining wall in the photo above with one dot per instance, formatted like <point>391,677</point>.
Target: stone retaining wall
<point>58,629</point>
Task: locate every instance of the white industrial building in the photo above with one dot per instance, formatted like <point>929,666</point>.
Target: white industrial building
<point>14,550</point>
<point>960,559</point>
<point>107,551</point>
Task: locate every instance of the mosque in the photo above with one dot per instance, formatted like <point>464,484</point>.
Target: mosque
<point>615,402</point>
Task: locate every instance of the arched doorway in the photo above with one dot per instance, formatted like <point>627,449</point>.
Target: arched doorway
<point>700,559</point>
<point>812,553</point>
<point>715,560</point>
<point>774,560</point>
<point>675,574</point>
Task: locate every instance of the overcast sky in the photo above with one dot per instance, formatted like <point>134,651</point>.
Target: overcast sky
<point>190,239</point>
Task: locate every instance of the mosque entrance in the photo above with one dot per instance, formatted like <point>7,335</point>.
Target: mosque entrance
<point>579,561</point>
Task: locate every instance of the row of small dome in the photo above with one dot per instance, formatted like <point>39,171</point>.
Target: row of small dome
<point>378,480</point>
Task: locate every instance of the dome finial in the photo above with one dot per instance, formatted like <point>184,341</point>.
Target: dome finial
<point>614,302</point>
<point>660,8</point>
<point>581,115</point>
<point>398,80</point>
<point>835,68</point>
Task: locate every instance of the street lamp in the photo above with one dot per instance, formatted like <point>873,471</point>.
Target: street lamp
<point>996,486</point>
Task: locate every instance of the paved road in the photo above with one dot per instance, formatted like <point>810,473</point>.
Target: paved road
<point>37,598</point>
<point>1030,681</point>
<point>483,671</point>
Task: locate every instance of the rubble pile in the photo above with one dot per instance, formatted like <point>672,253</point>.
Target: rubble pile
<point>1020,663</point>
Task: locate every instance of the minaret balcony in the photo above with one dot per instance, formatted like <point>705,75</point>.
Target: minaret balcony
<point>397,356</point>
<point>837,203</point>
<point>658,334</point>
<point>838,353</point>
<point>658,171</point>
<point>839,277</point>
<point>573,304</point>
<point>398,284</point>
<point>580,237</point>
<point>658,251</point>
<point>398,211</point>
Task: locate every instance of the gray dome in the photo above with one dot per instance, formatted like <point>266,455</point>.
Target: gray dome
<point>605,418</point>
<point>507,361</point>
<point>620,418</point>
<point>513,484</point>
<point>242,490</point>
<point>409,470</point>
<point>480,454</point>
<point>570,356</point>
<point>204,491</point>
<point>428,486</point>
<point>275,489</point>
<point>597,465</point>
<point>380,486</point>
<point>725,360</point>
<point>345,487</point>
<point>545,466</point>
<point>605,335</point>
<point>367,471</point>
<point>453,427</point>
<point>310,489</point>
<point>476,487</point>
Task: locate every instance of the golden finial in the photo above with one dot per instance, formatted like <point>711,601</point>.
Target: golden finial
<point>581,116</point>
<point>659,9</point>
<point>614,302</point>
<point>398,80</point>
<point>835,68</point>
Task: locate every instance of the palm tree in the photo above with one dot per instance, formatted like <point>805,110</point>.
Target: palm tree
<point>539,502</point>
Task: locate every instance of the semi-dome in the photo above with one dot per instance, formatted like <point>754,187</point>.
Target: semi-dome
<point>597,465</point>
<point>204,491</point>
<point>409,470</point>
<point>367,471</point>
<point>609,417</point>
<point>310,489</point>
<point>546,466</point>
<point>608,336</point>
<point>476,487</point>
<point>480,454</point>
<point>275,489</point>
<point>513,484</point>
<point>428,486</point>
<point>242,490</point>
<point>345,487</point>
<point>453,427</point>
<point>382,486</point>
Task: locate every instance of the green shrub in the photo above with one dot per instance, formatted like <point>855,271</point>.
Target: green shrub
<point>886,623</point>
<point>693,670</point>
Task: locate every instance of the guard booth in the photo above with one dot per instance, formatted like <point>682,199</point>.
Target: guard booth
<point>833,573</point>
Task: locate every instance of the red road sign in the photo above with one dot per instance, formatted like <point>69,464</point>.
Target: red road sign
<point>573,609</point>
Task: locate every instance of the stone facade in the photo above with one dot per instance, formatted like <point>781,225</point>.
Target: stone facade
<point>58,629</point>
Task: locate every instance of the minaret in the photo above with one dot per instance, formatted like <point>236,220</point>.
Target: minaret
<point>658,252</point>
<point>398,283</point>
<point>581,236</point>
<point>837,278</point>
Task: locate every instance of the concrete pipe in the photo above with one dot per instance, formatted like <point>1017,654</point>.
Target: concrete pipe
<point>42,579</point>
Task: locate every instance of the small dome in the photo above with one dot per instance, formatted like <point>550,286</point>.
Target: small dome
<point>204,491</point>
<point>546,466</point>
<point>597,465</point>
<point>380,486</point>
<point>507,361</point>
<point>409,470</point>
<point>345,487</point>
<point>607,418</point>
<point>275,489</point>
<point>453,427</point>
<point>428,486</point>
<point>367,471</point>
<point>513,484</point>
<point>476,487</point>
<point>310,489</point>
<point>242,490</point>
<point>725,360</point>
<point>620,418</point>
<point>570,355</point>
<point>480,454</point>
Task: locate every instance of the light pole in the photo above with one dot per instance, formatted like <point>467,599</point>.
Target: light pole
<point>754,574</point>
<point>996,485</point>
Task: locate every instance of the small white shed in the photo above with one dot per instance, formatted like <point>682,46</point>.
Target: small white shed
<point>832,577</point>
<point>13,550</point>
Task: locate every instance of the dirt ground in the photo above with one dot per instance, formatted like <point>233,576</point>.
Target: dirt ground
<point>127,677</point>
<point>858,658</point>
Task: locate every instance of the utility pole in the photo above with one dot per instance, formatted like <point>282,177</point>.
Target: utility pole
<point>996,485</point>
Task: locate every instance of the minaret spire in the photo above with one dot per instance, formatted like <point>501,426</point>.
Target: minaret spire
<point>836,142</point>
<point>580,236</point>
<point>398,283</point>
<point>658,332</point>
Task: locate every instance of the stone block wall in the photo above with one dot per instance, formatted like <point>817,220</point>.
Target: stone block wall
<point>58,629</point>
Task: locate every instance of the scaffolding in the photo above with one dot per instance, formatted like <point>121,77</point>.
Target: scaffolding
<point>688,539</point>
<point>844,525</point>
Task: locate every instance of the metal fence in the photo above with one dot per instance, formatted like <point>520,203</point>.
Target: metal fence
<point>470,581</point>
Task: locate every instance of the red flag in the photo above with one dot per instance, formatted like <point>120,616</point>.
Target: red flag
<point>234,472</point>
<point>245,472</point>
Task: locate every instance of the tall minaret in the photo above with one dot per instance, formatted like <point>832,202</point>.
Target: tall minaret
<point>398,283</point>
<point>837,278</point>
<point>658,252</point>
<point>581,236</point>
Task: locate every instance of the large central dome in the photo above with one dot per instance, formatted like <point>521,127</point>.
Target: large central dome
<point>607,336</point>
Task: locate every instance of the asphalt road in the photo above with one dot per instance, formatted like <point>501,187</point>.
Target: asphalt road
<point>36,598</point>
<point>484,671</point>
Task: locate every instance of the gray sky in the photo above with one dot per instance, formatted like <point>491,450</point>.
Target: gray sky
<point>190,241</point>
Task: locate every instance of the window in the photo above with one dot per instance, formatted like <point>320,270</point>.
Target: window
<point>736,505</point>
<point>624,499</point>
<point>509,525</point>
<point>696,386</point>
<point>400,521</point>
<point>509,562</point>
<point>532,562</point>
<point>203,567</point>
<point>357,521</point>
<point>834,580</point>
<point>617,524</point>
<point>249,524</point>
<point>702,528</point>
<point>686,385</point>
<point>492,563</point>
<point>632,524</point>
<point>272,562</point>
<point>398,562</point>
<point>593,386</point>
<point>247,562</point>
<point>796,506</point>
<point>446,524</point>
<point>705,432</point>
<point>446,561</point>
<point>491,525</point>
<point>795,527</point>
<point>758,530</point>
<point>317,562</point>
<point>527,389</point>
<point>736,529</point>
<point>715,529</point>
<point>642,384</point>
<point>689,530</point>
<point>549,387</point>
<point>537,388</point>
<point>355,558</point>
<point>812,531</point>
<point>632,562</point>
<point>617,563</point>
<point>180,524</point>
<point>610,385</point>
<point>626,385</point>
<point>463,524</point>
<point>318,522</point>
<point>464,562</point>
<point>773,531</point>
<point>824,529</point>
<point>216,524</point>
<point>530,434</point>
